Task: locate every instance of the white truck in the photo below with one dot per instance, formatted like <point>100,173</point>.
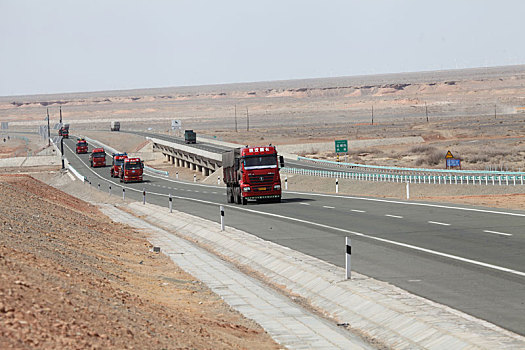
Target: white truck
<point>115,126</point>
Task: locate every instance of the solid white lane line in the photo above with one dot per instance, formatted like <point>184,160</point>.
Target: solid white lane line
<point>328,207</point>
<point>498,233</point>
<point>409,246</point>
<point>358,211</point>
<point>394,216</point>
<point>304,203</point>
<point>438,223</point>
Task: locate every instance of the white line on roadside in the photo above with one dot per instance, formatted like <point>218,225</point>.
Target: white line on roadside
<point>498,233</point>
<point>328,207</point>
<point>358,211</point>
<point>359,234</point>
<point>438,223</point>
<point>394,216</point>
<point>304,203</point>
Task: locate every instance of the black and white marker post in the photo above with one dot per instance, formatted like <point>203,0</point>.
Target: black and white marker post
<point>171,203</point>
<point>222,218</point>
<point>218,180</point>
<point>286,182</point>
<point>177,175</point>
<point>194,178</point>
<point>408,190</point>
<point>336,185</point>
<point>99,187</point>
<point>143,196</point>
<point>123,194</point>
<point>110,191</point>
<point>348,265</point>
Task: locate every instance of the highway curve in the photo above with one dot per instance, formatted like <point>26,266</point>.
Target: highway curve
<point>469,258</point>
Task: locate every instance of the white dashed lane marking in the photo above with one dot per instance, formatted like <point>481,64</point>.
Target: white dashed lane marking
<point>394,216</point>
<point>358,211</point>
<point>304,203</point>
<point>438,223</point>
<point>328,207</point>
<point>498,233</point>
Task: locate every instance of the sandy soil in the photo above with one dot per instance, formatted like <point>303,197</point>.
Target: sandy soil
<point>71,278</point>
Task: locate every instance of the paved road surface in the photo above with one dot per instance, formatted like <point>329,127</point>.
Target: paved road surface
<point>468,258</point>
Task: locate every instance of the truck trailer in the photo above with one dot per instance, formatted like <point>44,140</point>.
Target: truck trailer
<point>252,173</point>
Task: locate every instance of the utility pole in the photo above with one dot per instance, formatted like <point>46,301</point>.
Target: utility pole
<point>236,118</point>
<point>372,114</point>
<point>48,131</point>
<point>247,120</point>
<point>494,111</point>
<point>426,111</point>
<point>60,116</point>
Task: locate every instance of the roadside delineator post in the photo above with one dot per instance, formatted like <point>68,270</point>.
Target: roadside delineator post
<point>408,190</point>
<point>194,178</point>
<point>222,217</point>
<point>110,190</point>
<point>177,175</point>
<point>286,182</point>
<point>99,186</point>
<point>218,180</point>
<point>171,204</point>
<point>336,185</point>
<point>143,196</point>
<point>123,194</point>
<point>348,260</point>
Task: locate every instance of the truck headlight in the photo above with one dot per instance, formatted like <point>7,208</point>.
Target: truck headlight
<point>277,187</point>
<point>246,189</point>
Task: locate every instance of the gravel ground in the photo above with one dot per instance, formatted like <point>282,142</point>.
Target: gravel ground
<point>70,278</point>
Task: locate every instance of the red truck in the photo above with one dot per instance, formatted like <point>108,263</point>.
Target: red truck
<point>131,170</point>
<point>64,132</point>
<point>118,160</point>
<point>97,158</point>
<point>82,146</point>
<point>252,173</point>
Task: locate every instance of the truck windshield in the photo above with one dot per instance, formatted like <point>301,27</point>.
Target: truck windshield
<point>119,162</point>
<point>134,165</point>
<point>260,162</point>
<point>81,144</point>
<point>99,155</point>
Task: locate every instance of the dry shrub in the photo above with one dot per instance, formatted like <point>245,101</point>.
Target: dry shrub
<point>422,149</point>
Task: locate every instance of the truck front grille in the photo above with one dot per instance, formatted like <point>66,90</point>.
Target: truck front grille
<point>258,180</point>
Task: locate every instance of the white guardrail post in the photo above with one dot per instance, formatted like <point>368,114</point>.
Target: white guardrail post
<point>222,217</point>
<point>348,260</point>
<point>408,190</point>
<point>336,185</point>
<point>171,203</point>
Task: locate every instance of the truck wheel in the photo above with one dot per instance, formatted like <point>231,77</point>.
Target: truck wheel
<point>237,194</point>
<point>229,197</point>
<point>244,200</point>
<point>278,199</point>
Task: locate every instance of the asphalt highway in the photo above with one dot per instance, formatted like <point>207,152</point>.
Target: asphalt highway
<point>469,258</point>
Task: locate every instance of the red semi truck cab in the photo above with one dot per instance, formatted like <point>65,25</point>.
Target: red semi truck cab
<point>64,132</point>
<point>82,146</point>
<point>252,173</point>
<point>131,170</point>
<point>118,160</point>
<point>97,158</point>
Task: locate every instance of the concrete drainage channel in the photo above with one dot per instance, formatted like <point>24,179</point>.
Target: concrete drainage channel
<point>382,314</point>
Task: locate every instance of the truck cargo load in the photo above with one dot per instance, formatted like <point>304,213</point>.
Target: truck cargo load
<point>252,173</point>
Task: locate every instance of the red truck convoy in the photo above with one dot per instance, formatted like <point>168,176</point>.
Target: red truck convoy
<point>82,146</point>
<point>131,170</point>
<point>252,173</point>
<point>118,160</point>
<point>97,158</point>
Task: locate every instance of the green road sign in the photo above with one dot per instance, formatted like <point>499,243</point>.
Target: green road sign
<point>341,146</point>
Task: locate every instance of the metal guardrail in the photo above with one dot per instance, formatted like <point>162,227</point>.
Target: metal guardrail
<point>481,179</point>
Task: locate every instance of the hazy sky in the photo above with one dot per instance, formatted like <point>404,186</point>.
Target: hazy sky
<point>68,46</point>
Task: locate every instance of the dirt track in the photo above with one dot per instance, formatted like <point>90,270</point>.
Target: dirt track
<point>72,279</point>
